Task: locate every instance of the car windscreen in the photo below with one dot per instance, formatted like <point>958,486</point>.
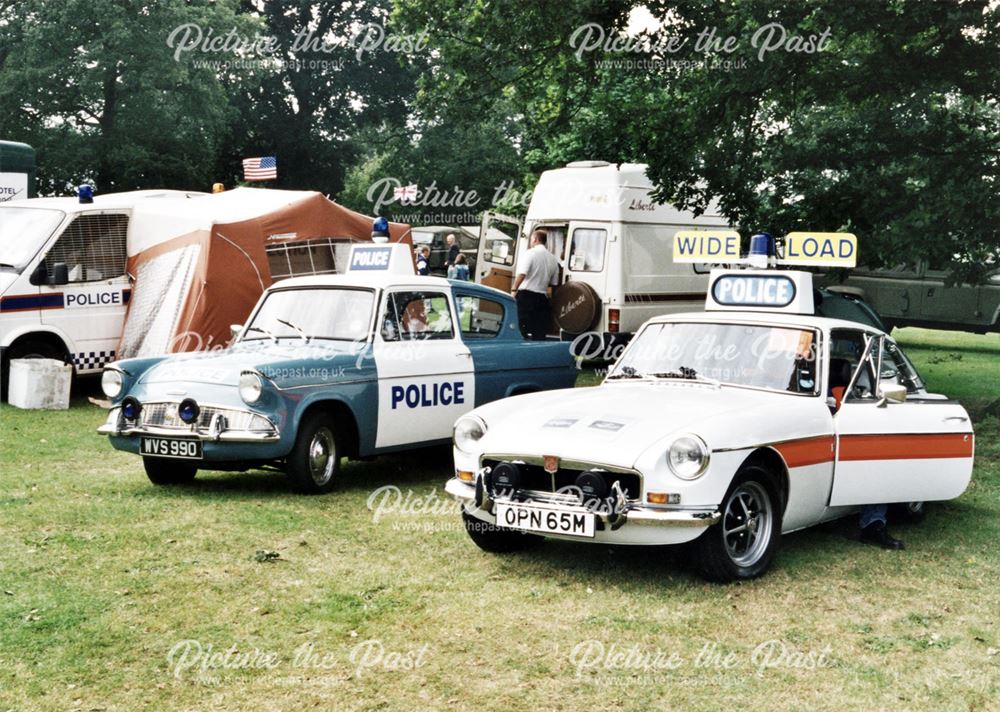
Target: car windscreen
<point>23,232</point>
<point>314,313</point>
<point>769,357</point>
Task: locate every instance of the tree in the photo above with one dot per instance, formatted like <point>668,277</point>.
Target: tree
<point>94,87</point>
<point>334,72</point>
<point>888,127</point>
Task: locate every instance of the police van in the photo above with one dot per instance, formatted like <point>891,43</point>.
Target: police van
<point>63,287</point>
<point>614,244</point>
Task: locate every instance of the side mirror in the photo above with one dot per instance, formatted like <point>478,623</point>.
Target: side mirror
<point>60,274</point>
<point>40,275</point>
<point>892,393</point>
<point>234,331</point>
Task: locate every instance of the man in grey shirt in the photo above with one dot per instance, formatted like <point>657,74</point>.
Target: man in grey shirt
<point>537,271</point>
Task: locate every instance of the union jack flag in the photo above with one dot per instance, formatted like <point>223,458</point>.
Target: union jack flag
<point>260,168</point>
<point>405,193</point>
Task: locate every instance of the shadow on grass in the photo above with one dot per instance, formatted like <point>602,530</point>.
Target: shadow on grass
<point>423,468</point>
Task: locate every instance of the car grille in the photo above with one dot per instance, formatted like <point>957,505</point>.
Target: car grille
<point>164,415</point>
<point>534,477</point>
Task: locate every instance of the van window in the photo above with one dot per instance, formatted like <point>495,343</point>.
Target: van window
<point>92,247</point>
<point>586,252</point>
<point>555,241</point>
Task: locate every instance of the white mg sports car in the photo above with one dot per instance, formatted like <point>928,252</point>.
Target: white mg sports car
<point>725,428</point>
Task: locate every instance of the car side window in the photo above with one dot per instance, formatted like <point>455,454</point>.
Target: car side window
<point>848,361</point>
<point>92,247</point>
<point>896,368</point>
<point>479,318</point>
<point>416,316</point>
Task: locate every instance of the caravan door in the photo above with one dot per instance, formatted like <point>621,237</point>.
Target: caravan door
<point>497,256</point>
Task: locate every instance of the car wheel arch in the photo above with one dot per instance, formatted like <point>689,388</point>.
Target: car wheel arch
<point>771,460</point>
<point>347,430</point>
<point>521,389</point>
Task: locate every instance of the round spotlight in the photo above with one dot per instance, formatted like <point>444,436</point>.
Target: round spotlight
<point>188,410</point>
<point>592,485</point>
<point>506,477</point>
<point>131,407</point>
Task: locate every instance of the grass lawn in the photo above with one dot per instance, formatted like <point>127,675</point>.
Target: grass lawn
<point>233,593</point>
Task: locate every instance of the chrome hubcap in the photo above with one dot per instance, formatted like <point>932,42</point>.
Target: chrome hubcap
<point>322,456</point>
<point>746,524</point>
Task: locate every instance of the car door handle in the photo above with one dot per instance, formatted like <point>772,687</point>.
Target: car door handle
<point>959,418</point>
<point>463,354</point>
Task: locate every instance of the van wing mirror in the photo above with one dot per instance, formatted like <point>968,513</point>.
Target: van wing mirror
<point>234,331</point>
<point>40,275</point>
<point>892,393</point>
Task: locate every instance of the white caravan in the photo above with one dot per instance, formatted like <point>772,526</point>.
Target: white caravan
<point>614,244</point>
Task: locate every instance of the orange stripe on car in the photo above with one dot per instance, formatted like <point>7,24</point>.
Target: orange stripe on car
<point>915,446</point>
<point>808,451</point>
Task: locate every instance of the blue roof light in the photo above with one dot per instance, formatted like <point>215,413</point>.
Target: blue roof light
<point>86,193</point>
<point>762,244</point>
<point>380,227</point>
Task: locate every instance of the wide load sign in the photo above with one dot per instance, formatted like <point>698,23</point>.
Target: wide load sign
<point>816,249</point>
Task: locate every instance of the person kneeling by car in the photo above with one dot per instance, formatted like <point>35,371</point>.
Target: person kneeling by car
<point>873,527</point>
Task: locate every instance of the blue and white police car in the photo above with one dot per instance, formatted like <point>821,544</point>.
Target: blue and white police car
<point>725,429</point>
<point>354,365</point>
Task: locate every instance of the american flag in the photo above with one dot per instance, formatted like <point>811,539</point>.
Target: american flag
<point>260,168</point>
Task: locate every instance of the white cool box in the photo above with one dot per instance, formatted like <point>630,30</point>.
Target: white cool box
<point>39,384</point>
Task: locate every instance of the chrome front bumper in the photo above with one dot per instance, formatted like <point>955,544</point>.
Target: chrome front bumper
<point>465,492</point>
<point>217,431</point>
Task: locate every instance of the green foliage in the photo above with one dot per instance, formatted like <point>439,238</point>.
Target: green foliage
<point>891,130</point>
<point>94,87</point>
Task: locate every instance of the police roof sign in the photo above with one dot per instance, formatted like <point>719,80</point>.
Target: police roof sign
<point>760,290</point>
<point>827,249</point>
<point>394,259</point>
<point>820,249</point>
<point>706,246</point>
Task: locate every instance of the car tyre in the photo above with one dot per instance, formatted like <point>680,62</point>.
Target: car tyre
<point>314,463</point>
<point>908,512</point>
<point>165,471</point>
<point>497,540</point>
<point>742,543</point>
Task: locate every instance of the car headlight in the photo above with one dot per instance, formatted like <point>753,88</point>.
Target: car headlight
<point>688,457</point>
<point>469,430</point>
<point>112,382</point>
<point>251,386</point>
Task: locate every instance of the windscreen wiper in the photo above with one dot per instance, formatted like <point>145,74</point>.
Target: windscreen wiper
<point>290,325</point>
<point>625,372</point>
<point>686,373</point>
<point>265,332</point>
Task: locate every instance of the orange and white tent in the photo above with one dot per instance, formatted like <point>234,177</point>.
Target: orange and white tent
<point>199,265</point>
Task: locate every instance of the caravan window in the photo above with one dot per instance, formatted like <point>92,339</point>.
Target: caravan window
<point>308,257</point>
<point>92,247</point>
<point>586,252</point>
